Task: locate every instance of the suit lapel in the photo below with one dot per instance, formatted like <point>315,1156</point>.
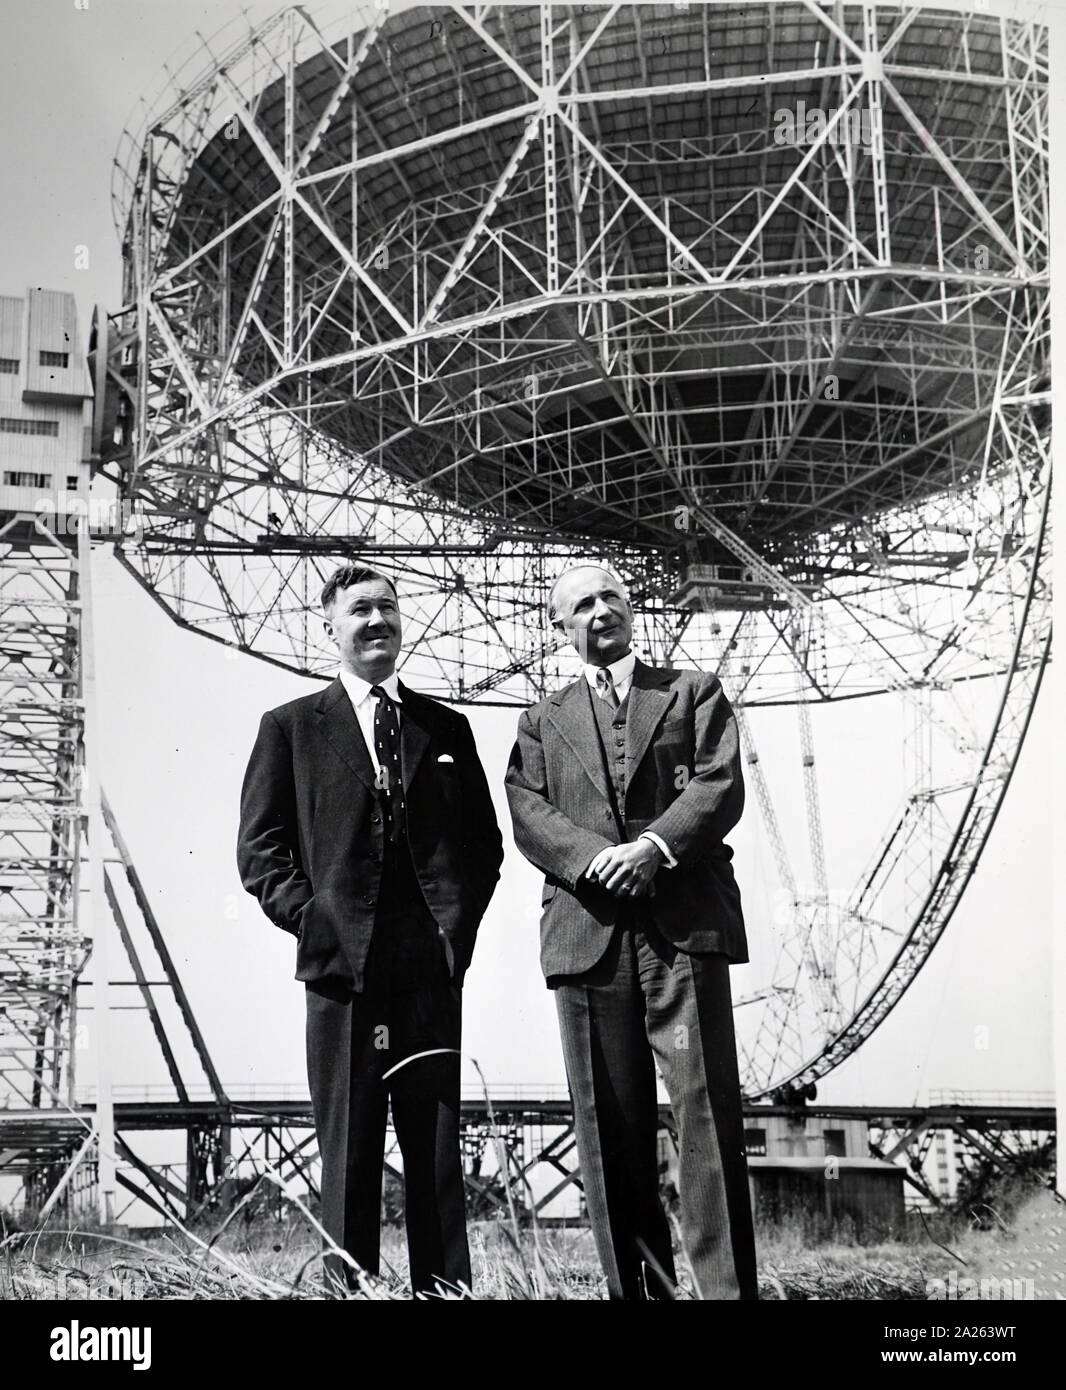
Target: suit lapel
<point>414,734</point>
<point>341,728</point>
<point>571,713</point>
<point>650,696</point>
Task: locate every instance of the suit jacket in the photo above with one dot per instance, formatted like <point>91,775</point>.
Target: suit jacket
<point>683,781</point>
<point>311,834</point>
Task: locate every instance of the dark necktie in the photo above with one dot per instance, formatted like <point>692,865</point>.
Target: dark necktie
<point>390,778</point>
<point>605,686</point>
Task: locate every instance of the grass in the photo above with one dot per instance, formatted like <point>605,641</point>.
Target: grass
<point>280,1259</point>
<point>275,1260</point>
<point>255,1255</point>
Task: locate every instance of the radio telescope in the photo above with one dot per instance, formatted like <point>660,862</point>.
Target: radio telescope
<point>752,303</point>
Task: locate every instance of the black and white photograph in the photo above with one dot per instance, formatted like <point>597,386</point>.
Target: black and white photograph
<point>530,746</point>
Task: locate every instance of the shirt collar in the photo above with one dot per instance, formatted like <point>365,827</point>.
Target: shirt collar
<point>359,689</point>
<point>621,670</point>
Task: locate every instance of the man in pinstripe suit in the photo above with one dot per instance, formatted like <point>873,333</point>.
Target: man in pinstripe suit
<point>621,789</point>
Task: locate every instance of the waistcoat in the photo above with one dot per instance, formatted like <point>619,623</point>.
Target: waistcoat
<point>611,727</point>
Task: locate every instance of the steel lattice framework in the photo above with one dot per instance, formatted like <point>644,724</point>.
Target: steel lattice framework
<point>752,304</point>
<point>43,945</point>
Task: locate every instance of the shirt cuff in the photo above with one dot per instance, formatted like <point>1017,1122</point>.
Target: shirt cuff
<point>671,862</point>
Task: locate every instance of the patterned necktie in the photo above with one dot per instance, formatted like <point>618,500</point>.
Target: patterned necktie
<point>390,778</point>
<point>605,685</point>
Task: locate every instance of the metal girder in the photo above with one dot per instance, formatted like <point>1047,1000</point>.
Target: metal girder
<point>46,699</point>
<point>43,943</point>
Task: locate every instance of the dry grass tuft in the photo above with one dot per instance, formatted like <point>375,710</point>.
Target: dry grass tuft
<point>280,1259</point>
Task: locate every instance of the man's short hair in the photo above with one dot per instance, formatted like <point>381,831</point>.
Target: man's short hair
<point>347,575</point>
<point>572,569</point>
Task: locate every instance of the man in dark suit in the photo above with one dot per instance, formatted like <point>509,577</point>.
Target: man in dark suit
<point>368,832</point>
<point>621,788</point>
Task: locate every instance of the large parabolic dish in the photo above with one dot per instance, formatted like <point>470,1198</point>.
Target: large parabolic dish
<point>749,300</point>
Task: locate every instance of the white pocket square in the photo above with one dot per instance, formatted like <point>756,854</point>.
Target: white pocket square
<point>446,758</point>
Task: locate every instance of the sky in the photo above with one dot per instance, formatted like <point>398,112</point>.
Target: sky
<point>179,713</point>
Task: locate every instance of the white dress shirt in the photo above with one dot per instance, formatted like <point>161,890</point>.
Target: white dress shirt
<point>622,677</point>
<point>365,706</point>
<point>621,673</point>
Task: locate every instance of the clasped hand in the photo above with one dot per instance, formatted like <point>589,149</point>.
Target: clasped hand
<point>626,870</point>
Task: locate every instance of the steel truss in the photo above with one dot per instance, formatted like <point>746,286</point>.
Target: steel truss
<point>67,1155</point>
<point>1001,1131</point>
<point>43,943</point>
<point>245,1152</point>
<point>469,291</point>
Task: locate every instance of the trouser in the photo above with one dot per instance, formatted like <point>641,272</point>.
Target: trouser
<point>408,1005</point>
<point>646,1002</point>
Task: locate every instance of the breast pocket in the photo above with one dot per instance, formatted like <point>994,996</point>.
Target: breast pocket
<point>448,778</point>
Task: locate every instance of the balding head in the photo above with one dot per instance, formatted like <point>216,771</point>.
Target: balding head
<point>591,606</point>
<point>561,581</point>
